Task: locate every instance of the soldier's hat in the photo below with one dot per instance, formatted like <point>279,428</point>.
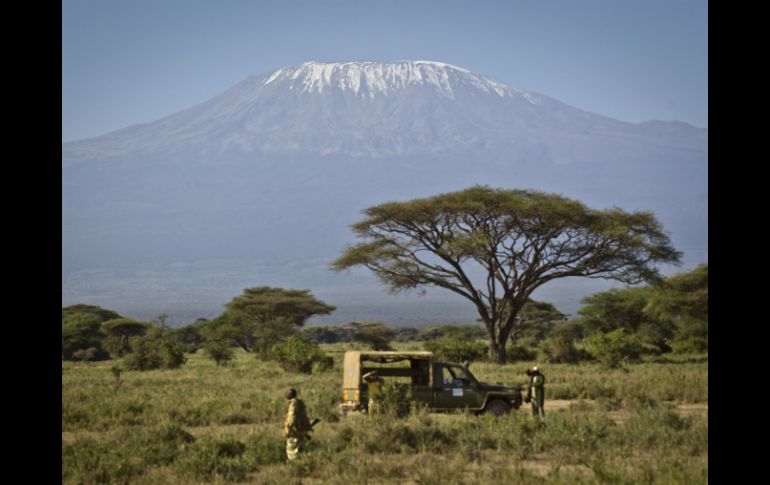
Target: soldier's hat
<point>370,375</point>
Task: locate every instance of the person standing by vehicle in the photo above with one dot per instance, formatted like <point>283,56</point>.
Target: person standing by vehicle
<point>297,425</point>
<point>536,391</point>
<point>374,384</point>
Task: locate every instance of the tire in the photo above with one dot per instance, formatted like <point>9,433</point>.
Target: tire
<point>497,407</point>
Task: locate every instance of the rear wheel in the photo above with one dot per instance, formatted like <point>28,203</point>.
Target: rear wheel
<point>497,407</point>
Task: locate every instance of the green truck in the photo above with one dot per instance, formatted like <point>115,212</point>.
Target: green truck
<point>441,386</point>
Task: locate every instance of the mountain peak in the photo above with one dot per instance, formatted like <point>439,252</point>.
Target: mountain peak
<point>371,78</point>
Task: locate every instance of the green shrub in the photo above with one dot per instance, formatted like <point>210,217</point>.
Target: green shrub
<point>323,364</point>
<point>690,345</point>
<point>154,351</point>
<point>394,399</point>
<point>296,354</point>
<point>614,348</point>
<point>81,332</point>
<point>114,345</point>
<point>90,354</point>
<point>455,349</point>
<point>520,353</point>
<point>376,335</point>
<point>560,348</point>
<point>220,351</point>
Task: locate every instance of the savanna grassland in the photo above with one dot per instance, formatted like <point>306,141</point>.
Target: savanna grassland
<point>645,423</point>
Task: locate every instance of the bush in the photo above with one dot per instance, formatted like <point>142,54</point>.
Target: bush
<point>115,347</point>
<point>296,354</point>
<point>519,353</point>
<point>189,336</point>
<point>614,348</point>
<point>154,351</point>
<point>691,345</point>
<point>90,354</point>
<point>456,349</point>
<point>560,348</point>
<point>323,364</point>
<point>80,332</point>
<point>220,351</point>
<point>394,399</point>
<point>376,335</point>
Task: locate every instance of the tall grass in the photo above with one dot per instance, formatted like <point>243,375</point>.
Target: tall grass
<point>209,424</point>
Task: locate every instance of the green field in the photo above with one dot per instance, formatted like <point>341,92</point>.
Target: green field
<point>647,423</point>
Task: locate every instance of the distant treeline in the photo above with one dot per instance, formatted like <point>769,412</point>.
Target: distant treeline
<point>612,326</point>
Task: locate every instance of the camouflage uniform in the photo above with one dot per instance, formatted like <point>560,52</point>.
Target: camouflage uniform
<point>536,393</point>
<point>295,428</point>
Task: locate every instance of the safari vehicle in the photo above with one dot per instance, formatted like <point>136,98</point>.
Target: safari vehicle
<point>441,386</point>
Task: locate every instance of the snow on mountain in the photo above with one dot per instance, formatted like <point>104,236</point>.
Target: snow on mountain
<point>378,78</point>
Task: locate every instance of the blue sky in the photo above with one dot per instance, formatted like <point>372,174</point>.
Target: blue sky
<point>128,62</point>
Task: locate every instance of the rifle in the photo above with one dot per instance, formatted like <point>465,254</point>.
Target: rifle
<point>312,424</point>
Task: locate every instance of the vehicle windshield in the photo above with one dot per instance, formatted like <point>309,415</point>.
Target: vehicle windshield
<point>459,372</point>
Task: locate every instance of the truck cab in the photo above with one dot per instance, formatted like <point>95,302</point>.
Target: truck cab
<point>441,386</point>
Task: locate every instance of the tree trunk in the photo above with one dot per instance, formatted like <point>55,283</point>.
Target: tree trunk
<point>514,337</point>
<point>497,351</point>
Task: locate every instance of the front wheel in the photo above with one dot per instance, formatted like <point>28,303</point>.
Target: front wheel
<point>497,407</point>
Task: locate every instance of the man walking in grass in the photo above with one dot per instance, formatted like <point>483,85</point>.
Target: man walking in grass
<point>536,391</point>
<point>297,425</point>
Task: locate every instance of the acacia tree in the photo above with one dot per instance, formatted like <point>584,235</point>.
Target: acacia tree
<point>81,330</point>
<point>495,247</point>
<point>91,310</point>
<point>374,334</point>
<point>264,316</point>
<point>119,330</point>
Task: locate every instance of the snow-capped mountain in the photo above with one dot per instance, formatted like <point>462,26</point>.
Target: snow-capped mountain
<point>276,167</point>
<point>366,109</point>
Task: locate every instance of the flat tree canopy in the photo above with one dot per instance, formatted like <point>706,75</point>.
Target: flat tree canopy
<point>82,309</point>
<point>264,316</point>
<point>495,247</point>
<point>265,303</point>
